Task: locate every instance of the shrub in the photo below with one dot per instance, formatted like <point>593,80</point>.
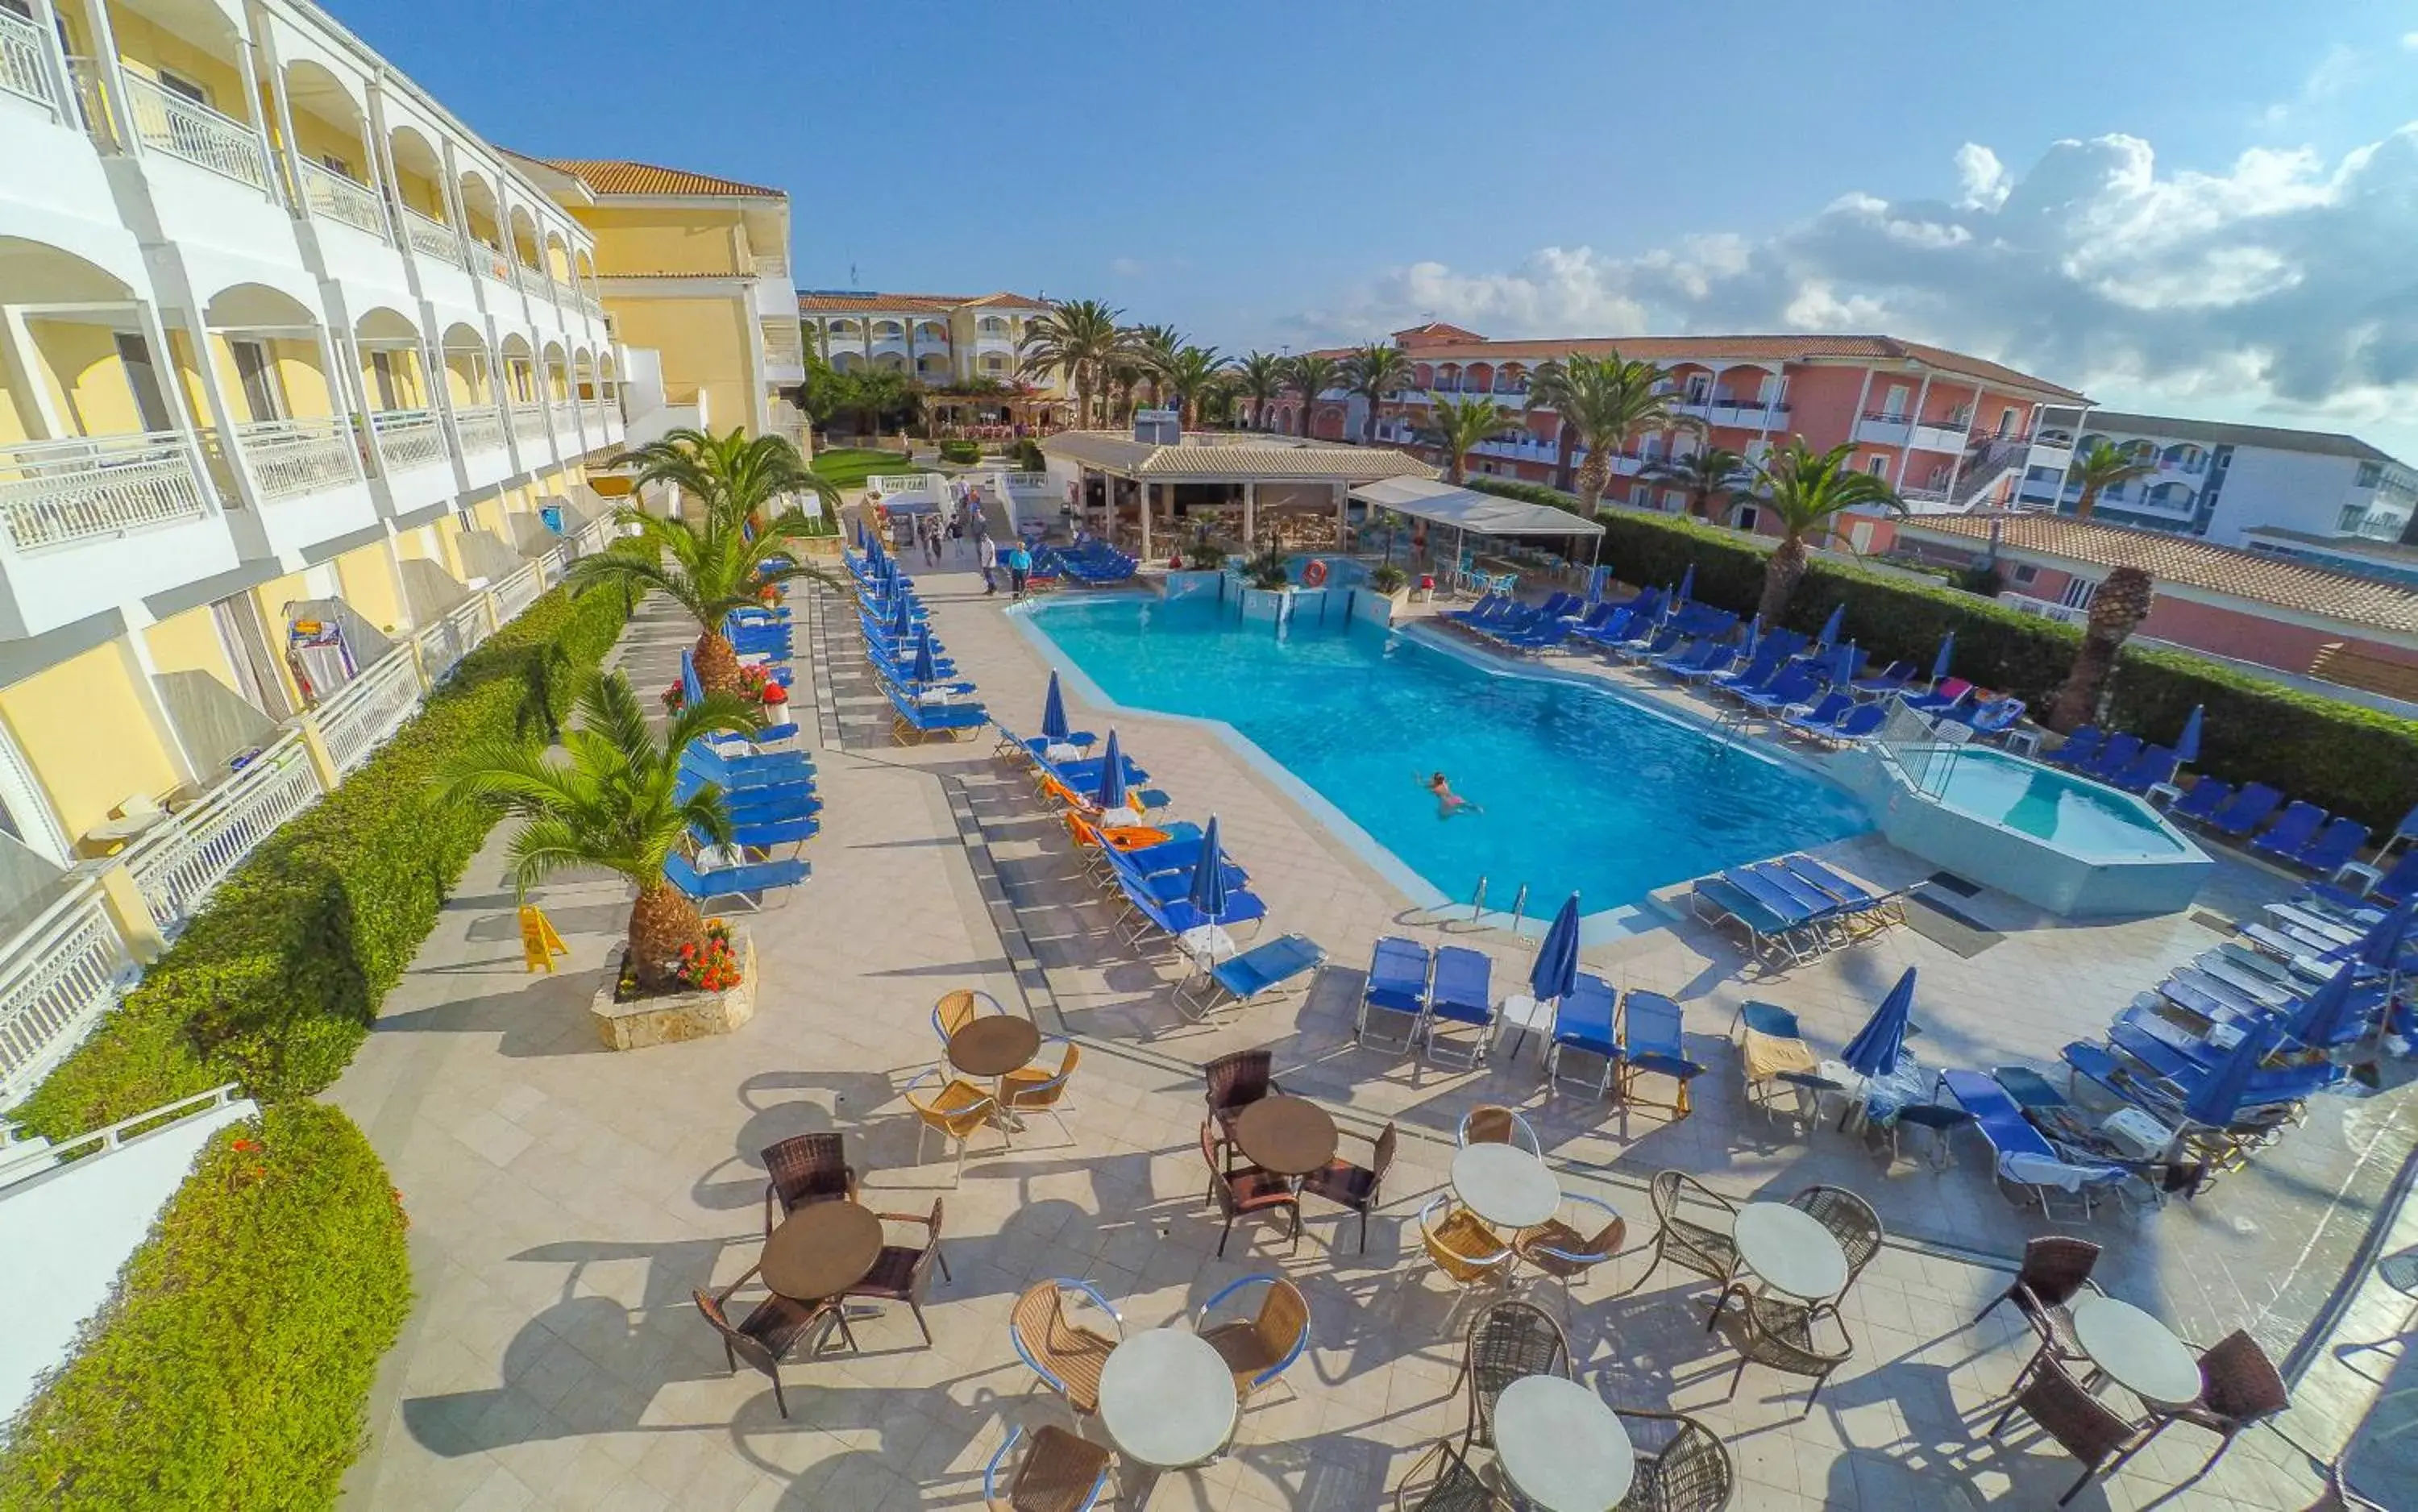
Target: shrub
<point>1982,579</point>
<point>1388,578</point>
<point>1270,569</point>
<point>961,451</point>
<point>231,1364</point>
<point>276,981</point>
<point>1206,556</point>
<point>1028,456</point>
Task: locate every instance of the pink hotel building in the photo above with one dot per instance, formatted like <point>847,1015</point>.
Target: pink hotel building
<point>1949,431</point>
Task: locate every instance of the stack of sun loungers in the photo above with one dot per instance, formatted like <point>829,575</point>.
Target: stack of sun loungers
<point>1090,561</point>
<point>1795,908</point>
<point>927,697</point>
<point>766,781</point>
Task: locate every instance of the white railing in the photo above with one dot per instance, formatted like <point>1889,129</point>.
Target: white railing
<point>478,428</point>
<point>491,262</point>
<point>179,863</point>
<point>408,438</point>
<point>22,59</point>
<point>588,302</point>
<point>2044,608</point>
<point>528,422</point>
<point>31,1161</point>
<point>358,716</point>
<point>190,130</point>
<point>56,979</point>
<point>56,492</point>
<point>516,590</point>
<point>431,237</point>
<point>904,485</point>
<point>564,414</point>
<point>292,457</point>
<point>1024,480</point>
<point>462,630</point>
<point>331,194</point>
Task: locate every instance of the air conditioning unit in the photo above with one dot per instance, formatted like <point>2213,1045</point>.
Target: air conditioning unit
<point>1158,427</point>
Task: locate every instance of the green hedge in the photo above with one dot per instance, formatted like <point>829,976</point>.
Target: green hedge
<point>275,982</point>
<point>961,451</point>
<point>230,1366</point>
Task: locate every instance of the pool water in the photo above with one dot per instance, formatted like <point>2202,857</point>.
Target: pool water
<point>1580,787</point>
<point>2083,817</point>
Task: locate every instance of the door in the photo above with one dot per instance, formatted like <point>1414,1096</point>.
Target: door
<point>150,400</point>
<point>382,373</point>
<point>261,395</point>
<point>1895,405</point>
<point>247,650</point>
<point>1700,388</point>
<point>2077,593</point>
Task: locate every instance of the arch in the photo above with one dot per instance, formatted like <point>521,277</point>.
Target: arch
<point>1478,378</point>
<point>889,331</point>
<point>994,365</point>
<point>35,272</point>
<point>556,254</point>
<point>890,362</point>
<point>840,327</point>
<point>1447,377</point>
<point>2174,494</point>
<point>2090,440</point>
<point>1512,378</point>
<point>312,88</point>
<point>525,243</point>
<point>554,354</point>
<point>516,344</point>
<point>583,267</point>
<point>1423,375</point>
<point>845,361</point>
<point>992,325</point>
<point>481,207</point>
<point>931,365</point>
<point>932,331</point>
<point>2140,450</point>
<point>462,336</point>
<point>2183,455</point>
<point>385,325</point>
<point>419,173</point>
<point>604,366</point>
<point>256,305</point>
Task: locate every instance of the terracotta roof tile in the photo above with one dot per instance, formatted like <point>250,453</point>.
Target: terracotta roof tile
<point>2190,562</point>
<point>841,302</point>
<point>619,175</point>
<point>1209,455</point>
<point>1748,349</point>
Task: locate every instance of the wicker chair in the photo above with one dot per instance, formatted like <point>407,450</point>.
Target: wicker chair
<point>2056,1270</point>
<point>1236,1190</point>
<point>1352,1186</point>
<point>1851,1220</point>
<point>1060,1473</point>
<point>1561,1251</point>
<point>808,1169</point>
<point>770,1329</point>
<point>1258,1348</point>
<point>957,1008</point>
<point>1688,1469</point>
<point>2240,1387</point>
<point>1708,1252</point>
<point>1039,1089</point>
<point>1067,1356</point>
<point>1468,1252</point>
<point>903,1272</point>
<point>1492,1124</point>
<point>954,1108</point>
<point>1776,1331</point>
<point>1507,1341</point>
<point>1236,1082</point>
<point>2086,1428</point>
<point>1454,1487</point>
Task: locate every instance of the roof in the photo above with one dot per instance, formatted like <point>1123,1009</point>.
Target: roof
<point>619,175</point>
<point>2222,433</point>
<point>1233,459</point>
<point>1438,330</point>
<point>1751,349</point>
<point>2187,561</point>
<point>846,301</point>
<point>2383,550</point>
<point>1466,509</point>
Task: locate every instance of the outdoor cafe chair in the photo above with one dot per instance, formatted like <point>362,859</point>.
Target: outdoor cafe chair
<point>770,1329</point>
<point>1039,1088</point>
<point>1562,1251</point>
<point>1066,1355</point>
<point>1851,1220</point>
<point>2056,1270</point>
<point>1355,1186</point>
<point>1707,1251</point>
<point>1062,1472</point>
<point>1258,1349</point>
<point>1236,1191</point>
<point>1681,1465</point>
<point>1492,1124</point>
<point>957,1008</point>
<point>1781,1333</point>
<point>1468,1252</point>
<point>804,1170</point>
<point>2083,1426</point>
<point>1234,1082</point>
<point>953,1107</point>
<point>2240,1387</point>
<point>1454,1487</point>
<point>903,1272</point>
<point>1507,1341</point>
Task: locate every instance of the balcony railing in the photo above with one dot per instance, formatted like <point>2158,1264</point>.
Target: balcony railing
<point>292,457</point>
<point>477,428</point>
<point>56,979</point>
<point>444,644</point>
<point>408,438</point>
<point>430,236</point>
<point>179,865</point>
<point>528,422</point>
<point>56,492</point>
<point>22,60</point>
<point>331,194</point>
<point>565,416</point>
<point>2044,608</point>
<point>168,122</point>
<point>358,716</point>
<point>491,262</point>
<point>517,589</point>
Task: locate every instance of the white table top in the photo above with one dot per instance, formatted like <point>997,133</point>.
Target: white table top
<point>1206,944</point>
<point>1168,1398</point>
<point>1504,1184</point>
<point>1526,1012</point>
<point>1790,1250</point>
<point>1561,1445</point>
<point>2141,1353</point>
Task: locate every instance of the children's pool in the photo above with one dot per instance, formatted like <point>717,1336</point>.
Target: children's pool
<point>1582,788</point>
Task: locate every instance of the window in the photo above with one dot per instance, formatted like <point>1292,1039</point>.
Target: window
<point>150,403</point>
<point>1746,516</point>
<point>1893,407</point>
<point>1876,465</point>
<point>258,371</point>
<point>176,83</point>
<point>2077,593</point>
<point>2370,474</point>
<point>2353,516</point>
<point>1675,500</point>
<point>1699,387</point>
<point>2007,421</point>
<point>2027,573</point>
<point>382,372</point>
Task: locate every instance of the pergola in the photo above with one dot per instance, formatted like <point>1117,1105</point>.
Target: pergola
<point>1030,408</point>
<point>1268,472</point>
<point>1469,513</point>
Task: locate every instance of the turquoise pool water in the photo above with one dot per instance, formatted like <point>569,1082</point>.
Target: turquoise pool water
<point>2081,817</point>
<point>1581,789</point>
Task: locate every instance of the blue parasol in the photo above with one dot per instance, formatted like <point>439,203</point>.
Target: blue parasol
<point>1947,650</point>
<point>2216,1100</point>
<point>1687,583</point>
<point>1831,627</point>
<point>1844,663</point>
<point>1754,640</point>
<point>1208,891</point>
<point>1112,791</point>
<point>2321,1020</point>
<point>2187,743</point>
<point>924,671</point>
<point>1876,1046</point>
<point>1555,972</point>
<point>902,621</point>
<point>1053,713</point>
<point>2382,945</point>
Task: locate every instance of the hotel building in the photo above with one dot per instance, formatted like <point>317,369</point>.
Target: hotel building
<point>938,339</point>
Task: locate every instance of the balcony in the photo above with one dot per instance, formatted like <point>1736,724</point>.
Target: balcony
<point>478,428</point>
<point>2044,608</point>
<point>23,69</point>
<point>187,128</point>
<point>430,237</point>
<point>57,493</point>
<point>564,416</point>
<point>332,196</point>
<point>290,458</point>
<point>1750,416</point>
<point>408,438</point>
<point>530,423</point>
<point>784,358</point>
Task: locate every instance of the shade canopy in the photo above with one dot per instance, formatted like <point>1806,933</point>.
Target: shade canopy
<point>1112,791</point>
<point>1875,1049</point>
<point>1466,509</point>
<point>1053,712</point>
<point>1208,890</point>
<point>1947,654</point>
<point>924,670</point>
<point>2333,1012</point>
<point>2217,1099</point>
<point>1831,627</point>
<point>1556,968</point>
<point>2187,743</point>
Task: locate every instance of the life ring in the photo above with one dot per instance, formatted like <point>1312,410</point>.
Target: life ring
<point>1314,575</point>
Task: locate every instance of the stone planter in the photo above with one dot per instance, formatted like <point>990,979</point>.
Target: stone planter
<point>1267,604</point>
<point>1184,584</point>
<point>679,1016</point>
<point>1378,608</point>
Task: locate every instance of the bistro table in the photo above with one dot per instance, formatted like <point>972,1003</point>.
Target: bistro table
<point>1561,1447</point>
<point>993,1046</point>
<point>1290,1136</point>
<point>2137,1352</point>
<point>1790,1251</point>
<point>821,1249</point>
<point>1506,1184</point>
<point>1168,1398</point>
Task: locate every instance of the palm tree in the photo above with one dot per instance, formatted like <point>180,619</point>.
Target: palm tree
<point>722,560</point>
<point>2102,467</point>
<point>1261,376</point>
<point>615,804</point>
<point>2119,606</point>
<point>1076,340</point>
<point>1373,371</point>
<point>1604,403</point>
<point>1706,476</point>
<point>1808,489</point>
<point>1188,377</point>
<point>1312,375</point>
<point>1125,374</point>
<point>1454,426</point>
<point>1153,349</point>
<point>1549,388</point>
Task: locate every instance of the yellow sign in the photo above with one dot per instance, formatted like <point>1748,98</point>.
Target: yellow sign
<point>540,944</point>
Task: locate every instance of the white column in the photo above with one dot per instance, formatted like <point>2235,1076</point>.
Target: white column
<point>1863,397</point>
<point>252,108</point>
<point>113,77</point>
<point>24,376</point>
<point>1905,452</point>
<point>172,388</point>
<point>1956,470</point>
<point>284,108</point>
<point>1143,489</point>
<point>454,207</point>
<point>1250,514</point>
<point>1342,512</point>
<point>55,63</point>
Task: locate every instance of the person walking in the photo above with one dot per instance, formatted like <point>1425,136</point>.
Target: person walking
<point>1019,564</point>
<point>987,552</point>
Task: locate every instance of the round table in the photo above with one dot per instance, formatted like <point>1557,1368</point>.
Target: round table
<point>1561,1447</point>
<point>1790,1251</point>
<point>1504,1184</point>
<point>1168,1399</point>
<point>2137,1352</point>
<point>994,1045</point>
<point>822,1250</point>
<point>1290,1136</point>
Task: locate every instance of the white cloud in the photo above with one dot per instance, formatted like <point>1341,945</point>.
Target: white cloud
<point>1126,267</point>
<point>2278,287</point>
<point>2410,40</point>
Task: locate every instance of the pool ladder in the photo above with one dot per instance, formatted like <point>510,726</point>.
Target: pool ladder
<point>1477,907</point>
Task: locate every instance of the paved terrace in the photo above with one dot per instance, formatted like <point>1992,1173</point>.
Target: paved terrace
<point>566,1200</point>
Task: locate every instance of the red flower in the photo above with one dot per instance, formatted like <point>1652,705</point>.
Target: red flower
<point>247,1147</point>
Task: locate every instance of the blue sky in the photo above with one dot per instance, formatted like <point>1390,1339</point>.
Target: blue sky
<point>2207,208</point>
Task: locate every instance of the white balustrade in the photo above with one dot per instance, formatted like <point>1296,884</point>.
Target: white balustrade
<point>57,977</point>
<point>408,438</point>
<point>478,428</point>
<point>431,237</point>
<point>56,492</point>
<point>516,590</point>
<point>176,864</point>
<point>2044,608</point>
<point>22,59</point>
<point>358,717</point>
<point>182,128</point>
<point>331,194</point>
<point>292,457</point>
<point>564,414</point>
<point>528,422</point>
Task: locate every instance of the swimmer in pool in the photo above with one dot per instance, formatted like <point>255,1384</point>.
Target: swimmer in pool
<point>1447,801</point>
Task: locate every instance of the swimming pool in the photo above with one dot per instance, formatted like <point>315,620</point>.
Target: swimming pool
<point>1582,788</point>
<point>2074,814</point>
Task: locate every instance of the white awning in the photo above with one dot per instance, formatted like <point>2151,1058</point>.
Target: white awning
<point>1466,509</point>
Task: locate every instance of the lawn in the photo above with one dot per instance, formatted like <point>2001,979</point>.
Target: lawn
<point>849,467</point>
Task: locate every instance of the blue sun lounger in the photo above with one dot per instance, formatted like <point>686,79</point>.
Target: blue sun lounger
<point>1262,970</point>
<point>1145,912</point>
<point>748,882</point>
<point>1652,1041</point>
<point>2296,828</point>
<point>1397,985</point>
<point>1796,685</point>
<point>2338,842</point>
<point>1769,931</point>
<point>1460,992</point>
<point>2384,887</point>
<point>778,769</point>
<point>2079,750</point>
<point>764,834</point>
<point>2021,1155</point>
<point>919,720</point>
<point>2243,810</point>
<point>2154,764</point>
<point>1583,1022</point>
<point>1819,720</point>
<point>1890,679</point>
<point>2201,799</point>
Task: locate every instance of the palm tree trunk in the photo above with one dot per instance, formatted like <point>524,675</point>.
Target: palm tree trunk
<point>661,921</point>
<point>2077,702</point>
<point>717,664</point>
<point>1781,576</point>
<point>1565,437</point>
<point>1593,474</point>
<point>2089,501</point>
